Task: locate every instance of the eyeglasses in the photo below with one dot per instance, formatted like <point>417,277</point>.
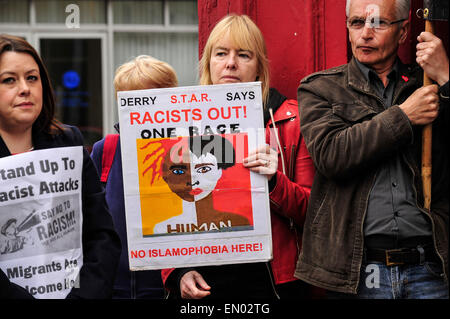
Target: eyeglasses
<point>374,23</point>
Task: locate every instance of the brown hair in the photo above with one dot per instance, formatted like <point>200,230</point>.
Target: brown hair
<point>46,121</point>
<point>245,34</point>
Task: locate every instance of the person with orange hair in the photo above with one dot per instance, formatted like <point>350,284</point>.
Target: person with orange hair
<point>143,72</point>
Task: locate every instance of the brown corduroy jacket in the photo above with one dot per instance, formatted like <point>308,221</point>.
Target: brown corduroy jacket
<point>349,134</point>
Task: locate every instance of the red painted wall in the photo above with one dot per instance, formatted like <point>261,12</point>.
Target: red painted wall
<point>295,33</point>
<point>302,36</point>
<point>301,39</point>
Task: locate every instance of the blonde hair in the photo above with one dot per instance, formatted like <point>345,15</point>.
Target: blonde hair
<point>245,35</point>
<point>144,72</point>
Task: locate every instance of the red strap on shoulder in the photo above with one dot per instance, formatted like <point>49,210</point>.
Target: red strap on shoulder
<point>109,149</point>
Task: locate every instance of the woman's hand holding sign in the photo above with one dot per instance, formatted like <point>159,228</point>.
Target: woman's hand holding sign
<point>193,286</point>
<point>263,160</point>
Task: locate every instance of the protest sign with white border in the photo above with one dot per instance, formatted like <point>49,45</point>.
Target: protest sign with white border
<point>188,201</point>
<point>41,220</point>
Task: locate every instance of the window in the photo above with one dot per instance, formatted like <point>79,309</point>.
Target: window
<point>111,32</point>
<point>51,11</point>
<point>15,11</point>
<point>138,12</point>
<point>183,12</point>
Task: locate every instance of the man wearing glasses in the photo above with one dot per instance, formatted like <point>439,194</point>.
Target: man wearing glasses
<point>367,233</point>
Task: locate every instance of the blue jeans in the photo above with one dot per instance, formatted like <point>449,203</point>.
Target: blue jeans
<point>378,281</point>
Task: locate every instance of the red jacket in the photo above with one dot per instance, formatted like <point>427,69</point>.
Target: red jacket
<point>289,197</point>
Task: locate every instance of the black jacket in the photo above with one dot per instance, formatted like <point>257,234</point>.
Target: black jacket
<point>101,244</point>
<point>145,284</point>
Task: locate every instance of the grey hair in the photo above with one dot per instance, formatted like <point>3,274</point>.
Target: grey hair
<point>402,8</point>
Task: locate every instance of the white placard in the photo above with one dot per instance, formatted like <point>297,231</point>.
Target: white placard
<point>189,201</point>
<point>41,220</point>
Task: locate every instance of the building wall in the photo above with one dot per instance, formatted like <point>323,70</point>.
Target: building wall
<point>302,36</point>
<point>295,34</point>
<point>89,39</point>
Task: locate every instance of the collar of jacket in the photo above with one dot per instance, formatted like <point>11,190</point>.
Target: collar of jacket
<point>4,151</point>
<point>278,101</point>
<point>357,80</point>
<point>43,140</point>
<point>40,141</point>
<point>274,102</point>
<point>286,112</point>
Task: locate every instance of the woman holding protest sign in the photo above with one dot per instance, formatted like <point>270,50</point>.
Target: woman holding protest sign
<point>142,72</point>
<point>28,127</point>
<point>235,52</point>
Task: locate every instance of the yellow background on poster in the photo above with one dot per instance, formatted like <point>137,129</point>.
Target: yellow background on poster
<point>158,202</point>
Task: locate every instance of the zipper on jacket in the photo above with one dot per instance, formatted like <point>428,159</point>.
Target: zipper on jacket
<point>291,223</point>
<point>291,162</point>
<point>362,230</point>
<point>272,281</point>
<point>296,237</point>
<point>429,216</point>
<point>291,178</point>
